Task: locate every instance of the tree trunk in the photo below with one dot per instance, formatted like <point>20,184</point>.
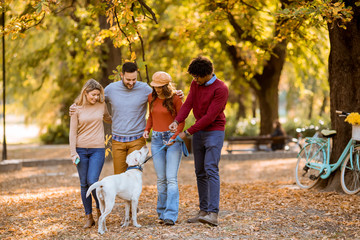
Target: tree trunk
<point>110,56</point>
<point>344,80</point>
<point>110,59</point>
<point>253,106</point>
<point>241,109</point>
<point>323,105</point>
<point>268,93</point>
<point>311,98</point>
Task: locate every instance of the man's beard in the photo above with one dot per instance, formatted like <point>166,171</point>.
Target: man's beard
<point>128,86</point>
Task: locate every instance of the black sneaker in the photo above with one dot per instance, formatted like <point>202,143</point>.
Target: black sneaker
<point>169,222</point>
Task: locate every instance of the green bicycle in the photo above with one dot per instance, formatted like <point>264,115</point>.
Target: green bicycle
<point>314,164</point>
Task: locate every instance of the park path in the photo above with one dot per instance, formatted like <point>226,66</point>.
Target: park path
<point>259,200</point>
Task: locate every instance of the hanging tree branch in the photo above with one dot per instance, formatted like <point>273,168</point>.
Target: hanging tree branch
<point>127,38</point>
<point>143,4</point>
<point>117,21</point>
<point>142,47</point>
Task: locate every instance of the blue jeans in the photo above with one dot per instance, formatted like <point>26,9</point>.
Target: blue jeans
<point>89,169</point>
<point>166,163</point>
<point>207,151</point>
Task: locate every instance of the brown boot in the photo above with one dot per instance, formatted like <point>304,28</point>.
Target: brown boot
<point>195,219</point>
<point>89,221</point>
<point>98,214</point>
<point>211,218</point>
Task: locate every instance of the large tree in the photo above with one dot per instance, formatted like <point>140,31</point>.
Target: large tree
<point>343,23</point>
<point>344,79</point>
<point>254,42</point>
<point>265,80</point>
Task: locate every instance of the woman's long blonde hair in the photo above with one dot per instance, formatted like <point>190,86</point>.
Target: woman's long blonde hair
<point>89,86</point>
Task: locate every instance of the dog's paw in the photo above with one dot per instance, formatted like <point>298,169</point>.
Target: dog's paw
<point>137,225</point>
<point>126,224</point>
<point>101,232</point>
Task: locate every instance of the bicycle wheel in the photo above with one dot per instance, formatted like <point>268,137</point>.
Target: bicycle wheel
<point>350,174</point>
<point>310,160</point>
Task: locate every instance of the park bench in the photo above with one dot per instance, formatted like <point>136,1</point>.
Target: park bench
<point>257,141</point>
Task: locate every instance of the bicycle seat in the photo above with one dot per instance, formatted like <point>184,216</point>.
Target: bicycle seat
<point>328,133</point>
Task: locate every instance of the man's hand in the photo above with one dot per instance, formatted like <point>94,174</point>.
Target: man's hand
<point>173,126</point>
<point>182,135</point>
<point>72,109</point>
<point>146,134</point>
<point>180,93</point>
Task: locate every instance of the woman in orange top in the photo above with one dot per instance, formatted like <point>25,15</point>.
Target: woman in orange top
<point>164,104</point>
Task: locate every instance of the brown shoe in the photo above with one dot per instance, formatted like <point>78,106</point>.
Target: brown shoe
<point>211,218</point>
<point>89,221</point>
<point>98,214</point>
<point>195,219</point>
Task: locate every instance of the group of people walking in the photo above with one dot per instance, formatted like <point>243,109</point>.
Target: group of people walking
<point>128,99</point>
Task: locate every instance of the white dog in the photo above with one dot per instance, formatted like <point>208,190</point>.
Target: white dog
<point>127,185</point>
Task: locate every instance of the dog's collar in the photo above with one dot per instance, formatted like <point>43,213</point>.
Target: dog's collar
<point>135,167</point>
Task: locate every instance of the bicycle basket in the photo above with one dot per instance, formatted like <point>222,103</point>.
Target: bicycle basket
<point>356,132</point>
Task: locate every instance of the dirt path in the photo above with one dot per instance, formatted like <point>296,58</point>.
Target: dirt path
<point>258,201</point>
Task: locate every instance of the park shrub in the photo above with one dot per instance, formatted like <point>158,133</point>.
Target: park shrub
<point>244,127</point>
<point>307,127</point>
<point>55,134</point>
<point>292,126</point>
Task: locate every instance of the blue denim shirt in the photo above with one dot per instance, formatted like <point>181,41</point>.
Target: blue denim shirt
<point>211,81</point>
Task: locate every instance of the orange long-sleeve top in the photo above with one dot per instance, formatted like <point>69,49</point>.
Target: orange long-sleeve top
<point>160,118</point>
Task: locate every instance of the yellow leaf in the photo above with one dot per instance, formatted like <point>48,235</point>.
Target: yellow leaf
<point>133,56</point>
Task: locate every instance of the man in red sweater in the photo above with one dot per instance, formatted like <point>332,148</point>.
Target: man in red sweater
<point>207,98</point>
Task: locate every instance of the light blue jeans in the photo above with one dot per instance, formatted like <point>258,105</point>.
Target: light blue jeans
<point>166,163</point>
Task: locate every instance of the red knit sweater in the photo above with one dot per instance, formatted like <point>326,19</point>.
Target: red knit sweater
<point>160,118</point>
<point>208,105</point>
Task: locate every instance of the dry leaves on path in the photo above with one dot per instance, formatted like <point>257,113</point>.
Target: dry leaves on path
<point>258,201</point>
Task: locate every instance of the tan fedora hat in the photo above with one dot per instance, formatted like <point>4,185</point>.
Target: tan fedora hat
<point>160,79</point>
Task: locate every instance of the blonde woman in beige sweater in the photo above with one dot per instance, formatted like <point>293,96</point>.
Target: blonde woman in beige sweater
<point>87,141</point>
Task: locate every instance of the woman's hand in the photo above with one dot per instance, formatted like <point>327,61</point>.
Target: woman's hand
<point>170,142</point>
<point>73,158</point>
<point>146,134</point>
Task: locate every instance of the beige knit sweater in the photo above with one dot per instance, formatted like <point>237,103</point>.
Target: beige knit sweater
<point>86,127</point>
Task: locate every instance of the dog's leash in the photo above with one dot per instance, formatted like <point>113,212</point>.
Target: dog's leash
<point>177,139</point>
<point>148,158</point>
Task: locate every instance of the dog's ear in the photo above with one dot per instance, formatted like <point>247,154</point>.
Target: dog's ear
<point>137,158</point>
<point>133,158</point>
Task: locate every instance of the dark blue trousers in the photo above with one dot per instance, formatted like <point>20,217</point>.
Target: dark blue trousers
<point>207,151</point>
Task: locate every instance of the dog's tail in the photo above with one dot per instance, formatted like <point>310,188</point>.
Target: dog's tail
<point>92,187</point>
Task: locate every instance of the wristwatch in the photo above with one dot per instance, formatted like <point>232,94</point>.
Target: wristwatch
<point>187,133</point>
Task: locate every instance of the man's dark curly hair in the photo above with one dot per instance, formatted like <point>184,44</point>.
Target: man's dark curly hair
<point>200,67</point>
<point>129,67</point>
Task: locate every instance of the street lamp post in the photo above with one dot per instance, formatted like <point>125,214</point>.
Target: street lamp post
<point>4,152</point>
